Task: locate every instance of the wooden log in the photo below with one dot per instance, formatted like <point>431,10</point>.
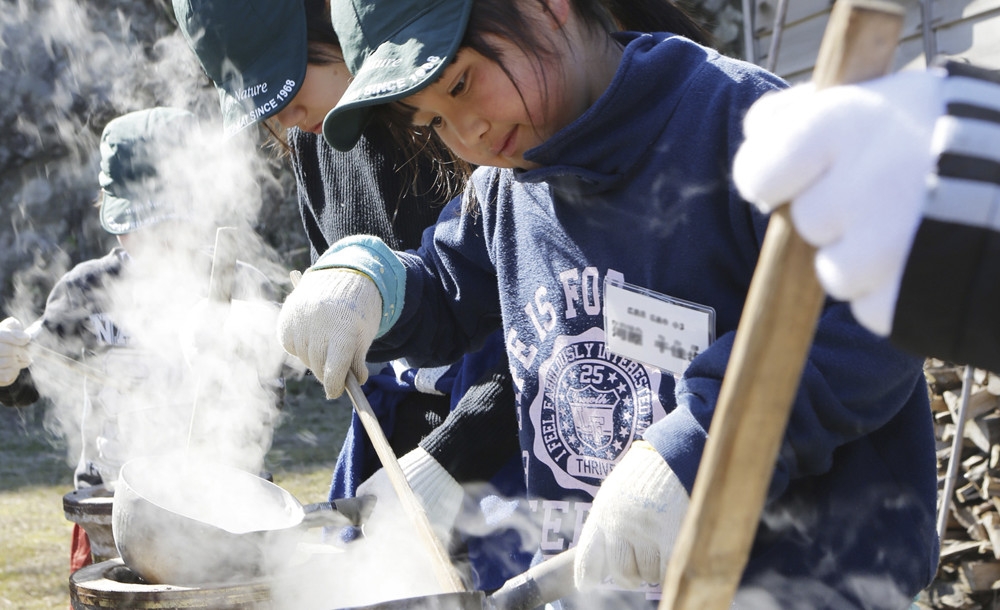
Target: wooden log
<point>979,575</point>
<point>991,523</point>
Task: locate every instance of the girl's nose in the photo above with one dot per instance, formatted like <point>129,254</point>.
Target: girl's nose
<point>290,115</point>
<point>471,128</point>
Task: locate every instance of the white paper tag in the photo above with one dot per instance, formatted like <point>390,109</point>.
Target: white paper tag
<point>655,329</point>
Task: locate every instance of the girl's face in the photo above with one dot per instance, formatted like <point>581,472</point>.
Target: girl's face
<point>483,118</point>
<point>322,88</point>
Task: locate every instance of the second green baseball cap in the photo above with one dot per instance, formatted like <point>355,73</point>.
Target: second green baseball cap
<point>133,147</point>
<point>394,48</point>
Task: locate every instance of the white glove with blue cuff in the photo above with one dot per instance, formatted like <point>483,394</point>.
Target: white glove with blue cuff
<point>329,321</point>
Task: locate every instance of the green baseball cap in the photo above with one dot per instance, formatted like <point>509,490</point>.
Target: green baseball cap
<point>255,52</point>
<point>394,48</point>
<point>132,145</point>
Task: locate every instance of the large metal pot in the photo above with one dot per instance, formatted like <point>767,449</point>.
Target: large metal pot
<point>541,584</point>
<point>183,521</point>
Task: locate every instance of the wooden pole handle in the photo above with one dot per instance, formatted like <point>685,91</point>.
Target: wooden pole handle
<point>769,352</point>
<point>220,284</point>
<point>443,568</point>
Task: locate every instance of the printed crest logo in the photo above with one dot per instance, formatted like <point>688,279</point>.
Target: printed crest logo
<point>590,406</point>
<point>593,415</point>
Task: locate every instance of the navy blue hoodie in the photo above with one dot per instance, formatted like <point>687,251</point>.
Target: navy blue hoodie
<point>637,189</point>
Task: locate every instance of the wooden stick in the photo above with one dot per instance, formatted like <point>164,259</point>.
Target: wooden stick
<point>43,353</point>
<point>443,569</point>
<point>220,283</point>
<point>220,290</point>
<point>769,352</point>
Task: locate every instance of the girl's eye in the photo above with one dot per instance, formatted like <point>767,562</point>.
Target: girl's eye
<point>435,122</point>
<point>458,88</point>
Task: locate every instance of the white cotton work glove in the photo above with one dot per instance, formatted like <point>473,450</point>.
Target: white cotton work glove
<point>13,350</point>
<point>633,522</point>
<point>329,321</point>
<point>854,161</point>
<point>439,493</point>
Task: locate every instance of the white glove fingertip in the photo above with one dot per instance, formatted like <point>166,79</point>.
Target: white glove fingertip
<point>360,368</point>
<point>648,562</point>
<point>825,211</point>
<point>333,385</point>
<point>12,333</point>
<point>875,311</point>
<point>588,567</point>
<point>773,106</point>
<point>625,570</point>
<point>867,258</point>
<point>785,149</point>
<point>335,371</point>
<point>11,323</point>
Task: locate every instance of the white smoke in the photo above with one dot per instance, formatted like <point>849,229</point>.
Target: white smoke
<point>193,377</point>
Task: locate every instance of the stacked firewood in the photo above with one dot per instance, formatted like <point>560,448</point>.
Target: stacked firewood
<point>969,571</point>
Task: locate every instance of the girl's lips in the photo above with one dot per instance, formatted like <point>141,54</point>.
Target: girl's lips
<point>317,128</point>
<point>507,144</point>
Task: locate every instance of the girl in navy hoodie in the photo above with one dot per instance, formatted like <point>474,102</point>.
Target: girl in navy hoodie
<point>602,233</point>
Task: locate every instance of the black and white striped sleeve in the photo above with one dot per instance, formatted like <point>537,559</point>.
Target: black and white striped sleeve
<point>949,296</point>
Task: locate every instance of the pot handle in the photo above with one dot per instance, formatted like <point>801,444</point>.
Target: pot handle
<point>539,585</point>
<point>338,513</point>
<point>356,509</point>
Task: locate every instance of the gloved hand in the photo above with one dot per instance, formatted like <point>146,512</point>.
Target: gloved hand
<point>854,161</point>
<point>633,522</point>
<point>440,494</point>
<point>329,321</point>
<point>13,350</point>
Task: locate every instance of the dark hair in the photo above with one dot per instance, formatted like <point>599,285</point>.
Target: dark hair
<point>506,19</point>
<point>648,16</point>
<point>449,171</point>
<point>323,48</point>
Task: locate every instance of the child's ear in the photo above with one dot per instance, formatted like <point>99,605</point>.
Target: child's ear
<point>559,11</point>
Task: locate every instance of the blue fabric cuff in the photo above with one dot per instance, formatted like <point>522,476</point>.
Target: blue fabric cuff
<point>680,440</point>
<point>369,255</point>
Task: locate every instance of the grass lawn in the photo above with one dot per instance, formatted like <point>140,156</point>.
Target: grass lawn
<point>35,474</point>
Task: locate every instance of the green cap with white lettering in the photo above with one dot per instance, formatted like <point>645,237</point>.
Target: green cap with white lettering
<point>394,48</point>
<point>255,52</point>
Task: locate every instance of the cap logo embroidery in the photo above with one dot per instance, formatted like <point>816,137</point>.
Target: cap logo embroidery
<point>251,91</point>
<point>264,108</point>
<point>389,87</point>
<point>379,64</point>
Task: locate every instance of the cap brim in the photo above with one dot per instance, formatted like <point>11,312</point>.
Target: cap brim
<point>410,60</point>
<point>120,216</point>
<point>268,83</point>
<point>114,216</point>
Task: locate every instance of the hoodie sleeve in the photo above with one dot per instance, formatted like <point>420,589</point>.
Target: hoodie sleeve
<point>451,303</point>
<point>853,383</point>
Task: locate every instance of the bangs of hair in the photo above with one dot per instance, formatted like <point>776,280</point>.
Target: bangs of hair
<point>508,20</point>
